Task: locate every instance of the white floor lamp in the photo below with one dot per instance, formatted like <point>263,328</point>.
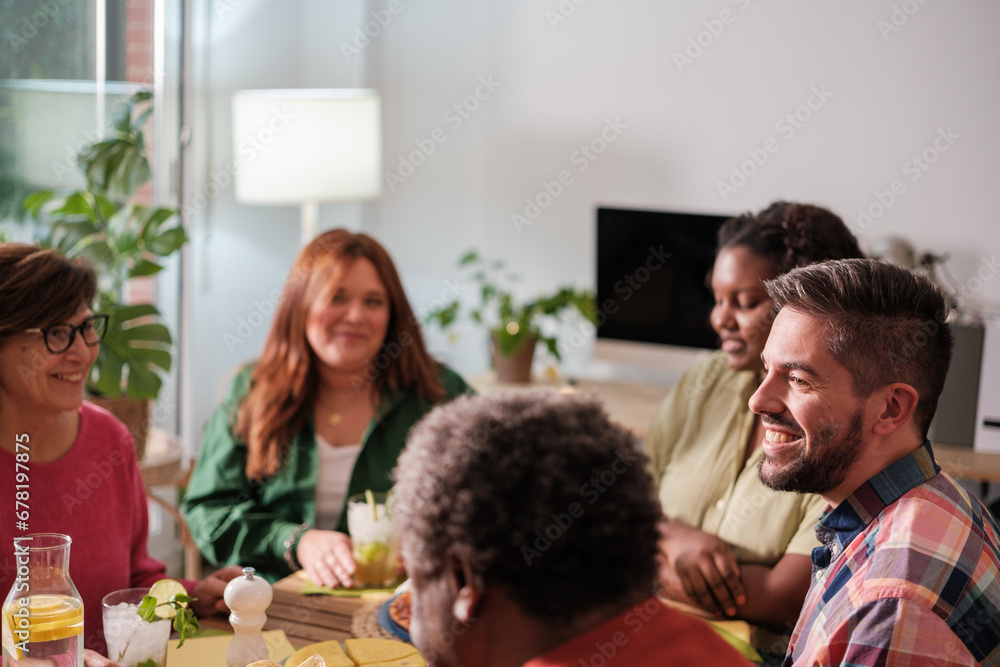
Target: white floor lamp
<point>306,146</point>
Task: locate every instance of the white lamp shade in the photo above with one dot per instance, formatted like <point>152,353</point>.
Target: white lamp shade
<point>310,145</point>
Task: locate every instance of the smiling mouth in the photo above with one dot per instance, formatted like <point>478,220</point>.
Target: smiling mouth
<point>780,438</point>
<point>69,377</point>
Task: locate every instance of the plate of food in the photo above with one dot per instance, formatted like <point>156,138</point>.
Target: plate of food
<point>394,616</point>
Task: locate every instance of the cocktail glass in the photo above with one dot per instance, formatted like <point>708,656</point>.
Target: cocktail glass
<point>132,641</point>
<point>375,554</point>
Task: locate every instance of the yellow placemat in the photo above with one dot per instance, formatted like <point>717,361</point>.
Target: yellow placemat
<point>211,651</point>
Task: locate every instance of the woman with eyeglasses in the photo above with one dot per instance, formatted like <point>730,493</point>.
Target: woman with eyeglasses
<point>82,476</point>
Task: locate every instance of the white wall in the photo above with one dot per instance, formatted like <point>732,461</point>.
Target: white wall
<point>683,129</point>
<point>239,255</point>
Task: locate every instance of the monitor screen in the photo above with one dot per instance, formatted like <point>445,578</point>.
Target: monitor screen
<point>651,276</point>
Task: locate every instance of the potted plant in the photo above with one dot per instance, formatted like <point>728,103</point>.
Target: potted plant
<point>123,240</point>
<point>515,326</point>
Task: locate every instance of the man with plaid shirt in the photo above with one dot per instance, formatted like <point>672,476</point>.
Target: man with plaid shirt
<point>909,573</point>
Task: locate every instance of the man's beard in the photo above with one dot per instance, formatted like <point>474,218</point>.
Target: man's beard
<point>821,468</point>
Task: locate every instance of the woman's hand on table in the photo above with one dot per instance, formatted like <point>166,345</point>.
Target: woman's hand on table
<point>702,567</point>
<point>327,557</point>
<point>95,659</point>
<point>208,591</point>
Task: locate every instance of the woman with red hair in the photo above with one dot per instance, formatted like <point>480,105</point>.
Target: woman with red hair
<point>321,416</point>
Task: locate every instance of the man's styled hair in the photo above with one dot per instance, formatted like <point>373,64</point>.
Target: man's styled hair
<point>884,324</point>
<point>546,498</point>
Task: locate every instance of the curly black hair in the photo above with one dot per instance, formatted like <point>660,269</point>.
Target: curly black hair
<point>545,497</point>
<point>791,235</point>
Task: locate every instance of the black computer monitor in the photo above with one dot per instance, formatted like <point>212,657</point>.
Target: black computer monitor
<point>651,276</point>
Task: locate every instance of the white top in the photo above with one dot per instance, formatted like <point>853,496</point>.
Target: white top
<point>335,467</point>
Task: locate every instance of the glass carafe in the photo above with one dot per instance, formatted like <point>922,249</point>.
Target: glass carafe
<point>43,612</point>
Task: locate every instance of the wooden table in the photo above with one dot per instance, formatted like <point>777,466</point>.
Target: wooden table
<point>968,464</point>
<point>630,404</point>
<point>306,619</point>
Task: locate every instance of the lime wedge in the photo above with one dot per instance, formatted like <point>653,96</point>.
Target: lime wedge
<point>164,591</point>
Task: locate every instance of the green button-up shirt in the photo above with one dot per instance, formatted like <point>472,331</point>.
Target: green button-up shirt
<point>234,520</point>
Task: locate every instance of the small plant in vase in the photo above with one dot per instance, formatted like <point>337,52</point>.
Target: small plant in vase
<point>515,326</point>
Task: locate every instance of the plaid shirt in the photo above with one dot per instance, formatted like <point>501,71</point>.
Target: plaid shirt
<point>908,575</point>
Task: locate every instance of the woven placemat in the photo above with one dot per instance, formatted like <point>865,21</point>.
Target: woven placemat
<point>364,623</point>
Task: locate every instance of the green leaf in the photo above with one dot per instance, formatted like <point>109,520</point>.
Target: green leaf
<point>156,333</point>
<point>147,609</point>
<point>126,313</point>
<point>34,202</point>
<point>168,242</point>
<point>143,267</point>
<point>185,622</point>
<point>130,353</point>
<point>142,382</point>
<point>141,119</point>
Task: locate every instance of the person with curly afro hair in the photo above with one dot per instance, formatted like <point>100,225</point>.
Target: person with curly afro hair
<point>732,546</point>
<point>528,524</point>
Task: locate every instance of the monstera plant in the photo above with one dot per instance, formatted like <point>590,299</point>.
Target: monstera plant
<point>123,240</point>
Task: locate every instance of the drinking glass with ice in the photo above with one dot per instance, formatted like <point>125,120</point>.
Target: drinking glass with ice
<point>369,520</point>
<point>133,641</point>
<point>137,622</point>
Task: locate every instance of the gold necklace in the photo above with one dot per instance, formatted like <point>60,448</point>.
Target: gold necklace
<point>336,417</point>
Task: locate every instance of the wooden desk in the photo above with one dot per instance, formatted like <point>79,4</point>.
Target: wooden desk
<point>306,619</point>
<point>630,404</point>
<point>968,464</point>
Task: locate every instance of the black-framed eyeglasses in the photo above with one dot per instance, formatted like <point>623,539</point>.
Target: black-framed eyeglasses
<point>59,337</point>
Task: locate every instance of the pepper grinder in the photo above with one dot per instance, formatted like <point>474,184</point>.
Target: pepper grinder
<point>248,598</point>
